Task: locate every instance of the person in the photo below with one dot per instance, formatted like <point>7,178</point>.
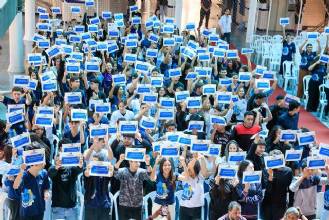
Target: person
<point>273,141</point>
<point>165,186</point>
<point>305,186</point>
<point>249,195</point>
<point>243,132</point>
<point>289,120</point>
<point>122,112</point>
<point>288,49</point>
<point>234,212</point>
<point>307,57</point>
<point>131,187</point>
<point>222,193</point>
<point>163,6</point>
<point>275,198</point>
<point>205,13</point>
<point>64,190</point>
<point>277,110</point>
<point>318,71</point>
<point>225,23</point>
<point>294,214</point>
<point>33,184</point>
<point>193,187</point>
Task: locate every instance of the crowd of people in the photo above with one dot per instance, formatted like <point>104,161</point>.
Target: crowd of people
<point>109,104</point>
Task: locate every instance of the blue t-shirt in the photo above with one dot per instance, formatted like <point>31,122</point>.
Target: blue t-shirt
<point>99,199</point>
<point>12,193</point>
<point>319,73</point>
<point>288,50</point>
<point>165,191</point>
<point>32,193</point>
<point>306,59</point>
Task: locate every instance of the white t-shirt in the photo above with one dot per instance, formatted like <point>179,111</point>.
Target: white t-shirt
<point>193,192</point>
<point>225,22</point>
<point>116,115</point>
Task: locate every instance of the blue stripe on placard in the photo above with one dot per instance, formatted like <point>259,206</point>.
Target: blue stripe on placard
<point>324,151</point>
<point>98,132</point>
<point>166,114</point>
<point>214,151</point>
<point>112,130</point>
<point>200,147</point>
<point>50,86</point>
<point>148,124</point>
<point>293,156</point>
<point>103,108</point>
<point>46,112</point>
<point>274,163</point>
<point>128,128</point>
<point>224,98</point>
<point>44,121</point>
<point>13,172</point>
<point>166,103</point>
<point>192,103</point>
<point>71,149</point>
<point>15,118</point>
<point>33,158</point>
<point>21,142</point>
<point>262,85</point>
<point>73,68</point>
<point>195,126</point>
<point>251,178</point>
<point>209,90</point>
<point>99,169</point>
<point>237,158</point>
<point>182,96</point>
<point>70,160</point>
<point>173,138</point>
<point>79,115</point>
<point>288,136</point>
<point>227,172</point>
<point>73,99</point>
<point>185,141</point>
<point>317,163</point>
<point>217,121</point>
<point>306,139</point>
<point>169,152</point>
<point>135,155</point>
<point>143,90</point>
<point>20,81</point>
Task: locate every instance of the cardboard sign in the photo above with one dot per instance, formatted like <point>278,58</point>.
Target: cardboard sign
<point>232,54</point>
<point>175,72</point>
<point>136,20</point>
<point>92,67</point>
<point>21,81</point>
<point>21,140</point>
<point>260,70</point>
<point>306,138</point>
<point>195,125</point>
<point>77,56</point>
<point>245,51</point>
<point>219,52</point>
<point>166,114</point>
<point>167,28</point>
<point>284,21</point>
<point>293,155</point>
<point>316,162</point>
<point>273,162</point>
<point>71,148</point>
<point>324,58</point>
<point>152,53</point>
<point>154,38</point>
<point>130,58</point>
<point>168,42</point>
<point>200,146</point>
<point>106,15</point>
<point>142,67</point>
<point>18,107</point>
<point>312,35</point>
<point>89,3</point>
<point>100,168</point>
<point>44,44</point>
<point>194,102</point>
<point>167,102</point>
<point>147,123</point>
<point>70,159</point>
<point>209,89</point>
<point>144,89</point>
<point>288,135</point>
<point>191,76</point>
<point>44,120</point>
<point>33,157</point>
<point>169,151</point>
<point>103,108</point>
<point>227,171</point>
<point>236,157</point>
<point>53,51</point>
<point>43,27</point>
<point>244,76</point>
<point>67,49</point>
<point>203,71</point>
<point>215,119</point>
<point>186,139</point>
<point>181,96</point>
<point>135,154</point>
<point>288,98</point>
<point>56,10</point>
<point>72,68</point>
<point>324,150</point>
<point>15,117</point>
<point>150,98</point>
<point>214,150</point>
<point>49,86</point>
<point>172,136</point>
<point>99,131</point>
<point>118,16</point>
<point>252,177</point>
<point>34,57</point>
<point>262,84</point>
<point>128,127</point>
<point>224,97</point>
<point>157,82</point>
<point>41,10</point>
<point>79,115</point>
<point>119,79</point>
<point>190,26</point>
<point>45,110</point>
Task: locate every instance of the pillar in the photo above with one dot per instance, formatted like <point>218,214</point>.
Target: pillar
<point>251,20</point>
<point>16,54</point>
<point>187,11</point>
<point>29,25</point>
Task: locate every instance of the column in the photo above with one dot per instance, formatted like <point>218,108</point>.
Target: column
<point>29,25</point>
<point>16,54</point>
<point>179,13</point>
<point>251,20</point>
<point>187,11</point>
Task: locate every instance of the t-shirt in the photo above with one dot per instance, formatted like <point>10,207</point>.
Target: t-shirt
<point>32,193</point>
<point>64,192</point>
<point>131,187</point>
<point>288,50</point>
<point>306,59</point>
<point>165,191</point>
<point>193,192</point>
<point>242,135</point>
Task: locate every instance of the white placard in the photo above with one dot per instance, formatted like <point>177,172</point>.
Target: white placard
<point>71,148</point>
<point>44,120</point>
<point>21,81</point>
<point>135,154</point>
<point>15,117</point>
<point>236,157</point>
<point>194,102</point>
<point>273,162</point>
<point>306,138</point>
<point>128,127</point>
<point>147,123</point>
<point>252,177</point>
<point>33,157</point>
<point>79,115</point>
<point>288,135</point>
<point>195,125</point>
<point>70,159</point>
<point>166,114</point>
<point>73,98</point>
<point>99,131</point>
<point>100,168</point>
<point>200,146</point>
<point>316,162</point>
<point>293,155</point>
<point>181,96</point>
<point>227,171</point>
<point>324,150</point>
<point>21,140</point>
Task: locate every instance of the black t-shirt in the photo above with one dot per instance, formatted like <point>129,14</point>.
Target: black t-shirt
<point>64,192</point>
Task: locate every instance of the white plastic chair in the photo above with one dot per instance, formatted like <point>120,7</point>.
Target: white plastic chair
<point>266,52</point>
<point>81,201</point>
<point>277,38</point>
<point>206,204</point>
<point>79,183</point>
<point>151,196</point>
<point>323,100</point>
<point>289,75</point>
<point>306,80</point>
<point>319,204</point>
<point>47,214</point>
<point>5,209</point>
<point>115,202</point>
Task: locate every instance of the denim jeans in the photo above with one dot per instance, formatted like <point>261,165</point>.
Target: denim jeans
<point>64,213</point>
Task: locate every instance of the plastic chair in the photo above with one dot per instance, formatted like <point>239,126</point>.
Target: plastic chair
<point>306,80</point>
<point>277,38</point>
<point>47,215</point>
<point>323,100</point>
<point>319,203</point>
<point>115,202</point>
<point>81,201</point>
<point>5,208</point>
<point>266,52</point>
<point>59,131</point>
<point>151,196</point>
<point>79,183</point>
<point>288,75</point>
<point>178,197</point>
<point>206,206</point>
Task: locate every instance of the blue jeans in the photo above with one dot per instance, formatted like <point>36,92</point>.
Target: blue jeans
<point>64,213</point>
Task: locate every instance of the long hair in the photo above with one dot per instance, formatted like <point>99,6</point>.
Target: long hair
<point>223,188</point>
<point>171,176</point>
<point>242,167</point>
<point>272,135</point>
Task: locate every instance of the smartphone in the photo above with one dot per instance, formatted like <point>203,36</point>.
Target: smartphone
<point>164,210</point>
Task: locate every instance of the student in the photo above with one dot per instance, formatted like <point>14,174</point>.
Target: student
<point>234,212</point>
<point>64,190</point>
<point>205,12</point>
<point>242,133</point>
<point>18,97</point>
<point>288,49</point>
<point>131,187</point>
<point>276,110</point>
<point>97,203</point>
<point>225,23</point>
<point>294,214</point>
<point>305,186</point>
<point>33,184</point>
<point>249,195</point>
<point>289,120</point>
<point>275,198</point>
<point>165,185</point>
<point>193,192</point>
<point>222,193</point>
<point>121,113</point>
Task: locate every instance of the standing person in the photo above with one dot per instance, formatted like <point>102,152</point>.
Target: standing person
<point>249,195</point>
<point>163,6</point>
<point>307,57</point>
<point>318,70</point>
<point>225,23</point>
<point>205,13</point>
<point>234,212</point>
<point>275,199</point>
<point>288,49</point>
<point>277,110</point>
<point>289,119</point>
